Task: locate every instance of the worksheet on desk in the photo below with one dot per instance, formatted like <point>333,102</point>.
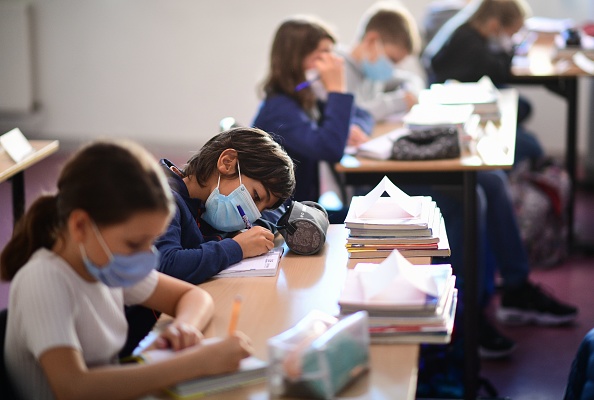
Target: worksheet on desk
<point>264,265</point>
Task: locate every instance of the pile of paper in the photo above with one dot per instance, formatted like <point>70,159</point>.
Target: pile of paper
<point>406,303</point>
<point>411,224</point>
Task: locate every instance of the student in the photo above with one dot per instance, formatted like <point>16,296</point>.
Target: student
<point>477,41</point>
<point>306,104</point>
<point>75,259</point>
<point>207,234</point>
<point>242,166</point>
<point>388,34</point>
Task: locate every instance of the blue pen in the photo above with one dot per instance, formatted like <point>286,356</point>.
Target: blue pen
<point>245,219</point>
<point>305,84</point>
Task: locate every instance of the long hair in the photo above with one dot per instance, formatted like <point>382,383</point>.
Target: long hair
<point>259,156</point>
<point>110,180</point>
<point>295,39</point>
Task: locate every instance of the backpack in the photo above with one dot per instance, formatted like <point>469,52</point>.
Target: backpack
<point>540,192</point>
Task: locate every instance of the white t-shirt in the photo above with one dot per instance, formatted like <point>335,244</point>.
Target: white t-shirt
<point>51,306</point>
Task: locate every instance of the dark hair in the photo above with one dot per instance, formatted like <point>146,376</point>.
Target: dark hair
<point>109,180</point>
<point>295,39</point>
<point>394,24</point>
<point>259,156</point>
<point>507,12</point>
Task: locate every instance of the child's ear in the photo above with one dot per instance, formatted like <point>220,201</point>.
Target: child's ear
<point>78,225</point>
<point>227,162</point>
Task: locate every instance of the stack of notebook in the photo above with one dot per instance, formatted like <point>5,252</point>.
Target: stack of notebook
<point>406,303</point>
<point>482,96</point>
<point>412,225</point>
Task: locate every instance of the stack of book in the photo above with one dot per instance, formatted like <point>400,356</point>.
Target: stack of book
<point>412,225</point>
<point>482,96</point>
<point>406,303</point>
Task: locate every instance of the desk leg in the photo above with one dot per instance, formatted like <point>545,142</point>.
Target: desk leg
<point>571,95</point>
<point>18,196</point>
<point>471,306</point>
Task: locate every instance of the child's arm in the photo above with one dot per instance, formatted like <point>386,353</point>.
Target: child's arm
<point>191,307</point>
<point>70,378</point>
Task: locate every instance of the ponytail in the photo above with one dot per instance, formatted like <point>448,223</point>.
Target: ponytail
<point>37,228</point>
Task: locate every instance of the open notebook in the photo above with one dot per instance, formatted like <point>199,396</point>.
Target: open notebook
<point>264,265</point>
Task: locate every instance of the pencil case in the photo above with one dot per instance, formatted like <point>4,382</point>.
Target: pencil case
<point>319,356</point>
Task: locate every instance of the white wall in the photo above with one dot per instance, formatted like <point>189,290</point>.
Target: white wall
<point>166,71</point>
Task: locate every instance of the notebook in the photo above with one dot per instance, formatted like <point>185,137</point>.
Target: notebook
<point>264,265</point>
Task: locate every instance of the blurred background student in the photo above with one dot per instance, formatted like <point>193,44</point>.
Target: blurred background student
<point>477,41</point>
<point>387,35</point>
<point>306,105</point>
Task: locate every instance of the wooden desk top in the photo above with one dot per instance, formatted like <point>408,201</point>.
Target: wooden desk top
<point>42,149</point>
<point>272,305</point>
<point>506,132</point>
<point>539,62</point>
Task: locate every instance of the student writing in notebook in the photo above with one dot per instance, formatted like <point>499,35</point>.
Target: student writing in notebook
<point>240,166</point>
<point>75,259</point>
<point>306,105</point>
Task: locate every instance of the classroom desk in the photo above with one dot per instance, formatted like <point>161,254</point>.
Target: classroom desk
<point>460,172</point>
<point>272,305</point>
<point>561,77</point>
<point>9,170</point>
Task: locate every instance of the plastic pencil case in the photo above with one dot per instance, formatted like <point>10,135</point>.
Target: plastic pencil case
<point>319,356</point>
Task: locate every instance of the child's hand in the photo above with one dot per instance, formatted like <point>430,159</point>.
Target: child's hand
<point>225,354</point>
<point>255,241</point>
<point>331,69</point>
<point>178,336</point>
<point>356,136</point>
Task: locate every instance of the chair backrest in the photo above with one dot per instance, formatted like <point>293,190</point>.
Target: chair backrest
<point>6,387</point>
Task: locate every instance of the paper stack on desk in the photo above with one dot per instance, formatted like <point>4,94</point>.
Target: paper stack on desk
<point>411,224</point>
<point>482,95</point>
<point>406,303</point>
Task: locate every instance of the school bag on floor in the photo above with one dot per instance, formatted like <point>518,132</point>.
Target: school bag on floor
<point>540,192</point>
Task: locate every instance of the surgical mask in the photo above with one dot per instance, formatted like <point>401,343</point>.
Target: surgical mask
<point>380,70</point>
<point>121,270</point>
<point>317,86</point>
<point>222,213</point>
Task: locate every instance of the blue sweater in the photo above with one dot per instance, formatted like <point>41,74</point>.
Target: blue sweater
<point>308,141</point>
<point>190,252</point>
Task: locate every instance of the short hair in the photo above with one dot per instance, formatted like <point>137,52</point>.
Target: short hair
<point>295,38</point>
<point>507,12</point>
<point>259,156</point>
<point>394,23</point>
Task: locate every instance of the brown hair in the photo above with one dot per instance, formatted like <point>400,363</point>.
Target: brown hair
<point>259,157</point>
<point>507,12</point>
<point>109,180</point>
<point>394,24</point>
<point>295,39</point>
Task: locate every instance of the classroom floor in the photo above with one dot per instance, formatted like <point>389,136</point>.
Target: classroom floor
<point>539,367</point>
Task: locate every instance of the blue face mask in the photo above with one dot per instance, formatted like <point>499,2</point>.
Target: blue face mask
<point>221,211</point>
<point>380,70</point>
<point>121,270</point>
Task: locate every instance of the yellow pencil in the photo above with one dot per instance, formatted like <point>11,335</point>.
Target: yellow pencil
<point>235,314</point>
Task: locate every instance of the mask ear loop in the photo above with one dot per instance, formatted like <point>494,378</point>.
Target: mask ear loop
<point>102,241</point>
<point>239,172</point>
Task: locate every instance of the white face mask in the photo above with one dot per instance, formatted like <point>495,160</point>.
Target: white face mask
<point>222,211</point>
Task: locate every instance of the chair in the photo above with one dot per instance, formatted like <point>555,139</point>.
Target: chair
<point>580,384</point>
<point>6,387</point>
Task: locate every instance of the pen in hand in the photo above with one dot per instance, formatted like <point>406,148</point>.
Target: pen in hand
<point>234,315</point>
<point>246,221</point>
